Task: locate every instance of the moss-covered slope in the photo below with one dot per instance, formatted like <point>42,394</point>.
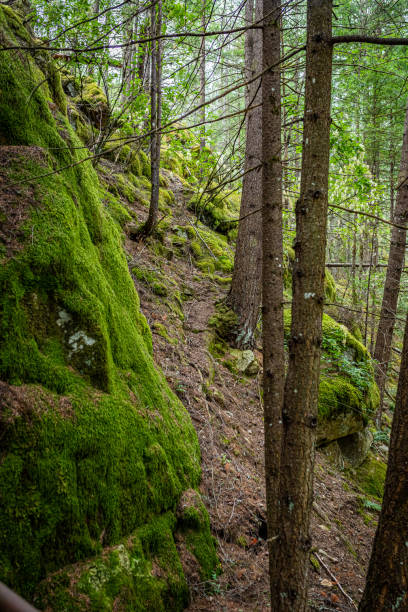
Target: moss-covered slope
<point>95,447</point>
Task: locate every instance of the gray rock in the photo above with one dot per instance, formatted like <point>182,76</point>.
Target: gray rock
<point>355,447</point>
<point>247,363</point>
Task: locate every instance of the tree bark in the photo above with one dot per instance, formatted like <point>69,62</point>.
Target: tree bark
<point>290,547</point>
<point>155,125</point>
<point>202,78</point>
<point>245,294</point>
<point>128,64</point>
<point>272,270</point>
<point>387,579</point>
<point>386,324</point>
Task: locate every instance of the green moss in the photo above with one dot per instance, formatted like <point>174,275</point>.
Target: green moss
<point>337,395</point>
<point>370,476</point>
<point>127,576</point>
<point>166,197</point>
<point>95,446</point>
<point>219,212</point>
<point>118,212</point>
<point>125,188</point>
<point>173,161</point>
<point>314,563</point>
<point>329,286</point>
<point>162,331</point>
<point>135,164</point>
<point>194,524</point>
<point>347,381</point>
<point>224,323</point>
<point>145,161</point>
<point>92,101</point>
<point>211,250</point>
<point>152,279</point>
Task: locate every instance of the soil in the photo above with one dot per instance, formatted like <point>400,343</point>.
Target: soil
<point>227,414</point>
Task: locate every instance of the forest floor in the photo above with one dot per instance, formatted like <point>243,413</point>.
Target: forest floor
<point>227,414</point>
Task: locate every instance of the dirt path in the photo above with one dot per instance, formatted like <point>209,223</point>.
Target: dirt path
<point>227,414</point>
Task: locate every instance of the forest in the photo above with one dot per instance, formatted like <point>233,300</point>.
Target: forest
<point>203,305</point>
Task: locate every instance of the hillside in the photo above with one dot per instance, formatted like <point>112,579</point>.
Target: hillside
<point>128,424</point>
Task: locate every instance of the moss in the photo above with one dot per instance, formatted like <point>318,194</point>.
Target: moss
<point>173,161</point>
<point>314,563</point>
<point>194,524</point>
<point>127,576</point>
<point>347,381</point>
<point>95,446</point>
<point>160,329</point>
<point>118,212</point>
<point>370,476</point>
<point>135,164</point>
<point>166,197</point>
<point>83,128</point>
<point>211,250</point>
<point>151,279</point>
<point>125,188</point>
<point>145,161</point>
<point>219,212</point>
<point>337,395</point>
<point>92,102</point>
<point>224,323</point>
<point>329,286</point>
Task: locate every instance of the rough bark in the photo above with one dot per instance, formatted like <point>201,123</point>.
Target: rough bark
<point>290,547</point>
<point>155,96</point>
<point>386,323</point>
<point>272,268</point>
<point>245,294</point>
<point>387,579</point>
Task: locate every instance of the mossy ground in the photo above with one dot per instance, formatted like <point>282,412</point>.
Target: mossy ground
<point>104,449</point>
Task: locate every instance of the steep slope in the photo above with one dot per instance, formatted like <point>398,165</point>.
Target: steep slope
<point>96,450</point>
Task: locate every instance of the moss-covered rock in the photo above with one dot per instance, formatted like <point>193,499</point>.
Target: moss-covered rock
<point>92,102</point>
<point>141,573</point>
<point>370,476</point>
<point>95,446</point>
<point>348,394</point>
<point>219,211</point>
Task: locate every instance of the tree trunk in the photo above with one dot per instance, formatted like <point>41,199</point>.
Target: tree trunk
<point>128,67</point>
<point>272,268</point>
<point>202,80</point>
<point>386,324</point>
<point>245,294</point>
<point>387,578</point>
<point>155,125</point>
<point>290,547</point>
<point>96,9</point>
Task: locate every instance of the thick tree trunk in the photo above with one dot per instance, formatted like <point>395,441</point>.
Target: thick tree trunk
<point>245,294</point>
<point>386,324</point>
<point>155,93</point>
<point>387,579</point>
<point>291,544</point>
<point>272,269</point>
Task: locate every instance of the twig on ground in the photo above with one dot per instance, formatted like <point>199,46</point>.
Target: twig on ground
<point>333,577</point>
